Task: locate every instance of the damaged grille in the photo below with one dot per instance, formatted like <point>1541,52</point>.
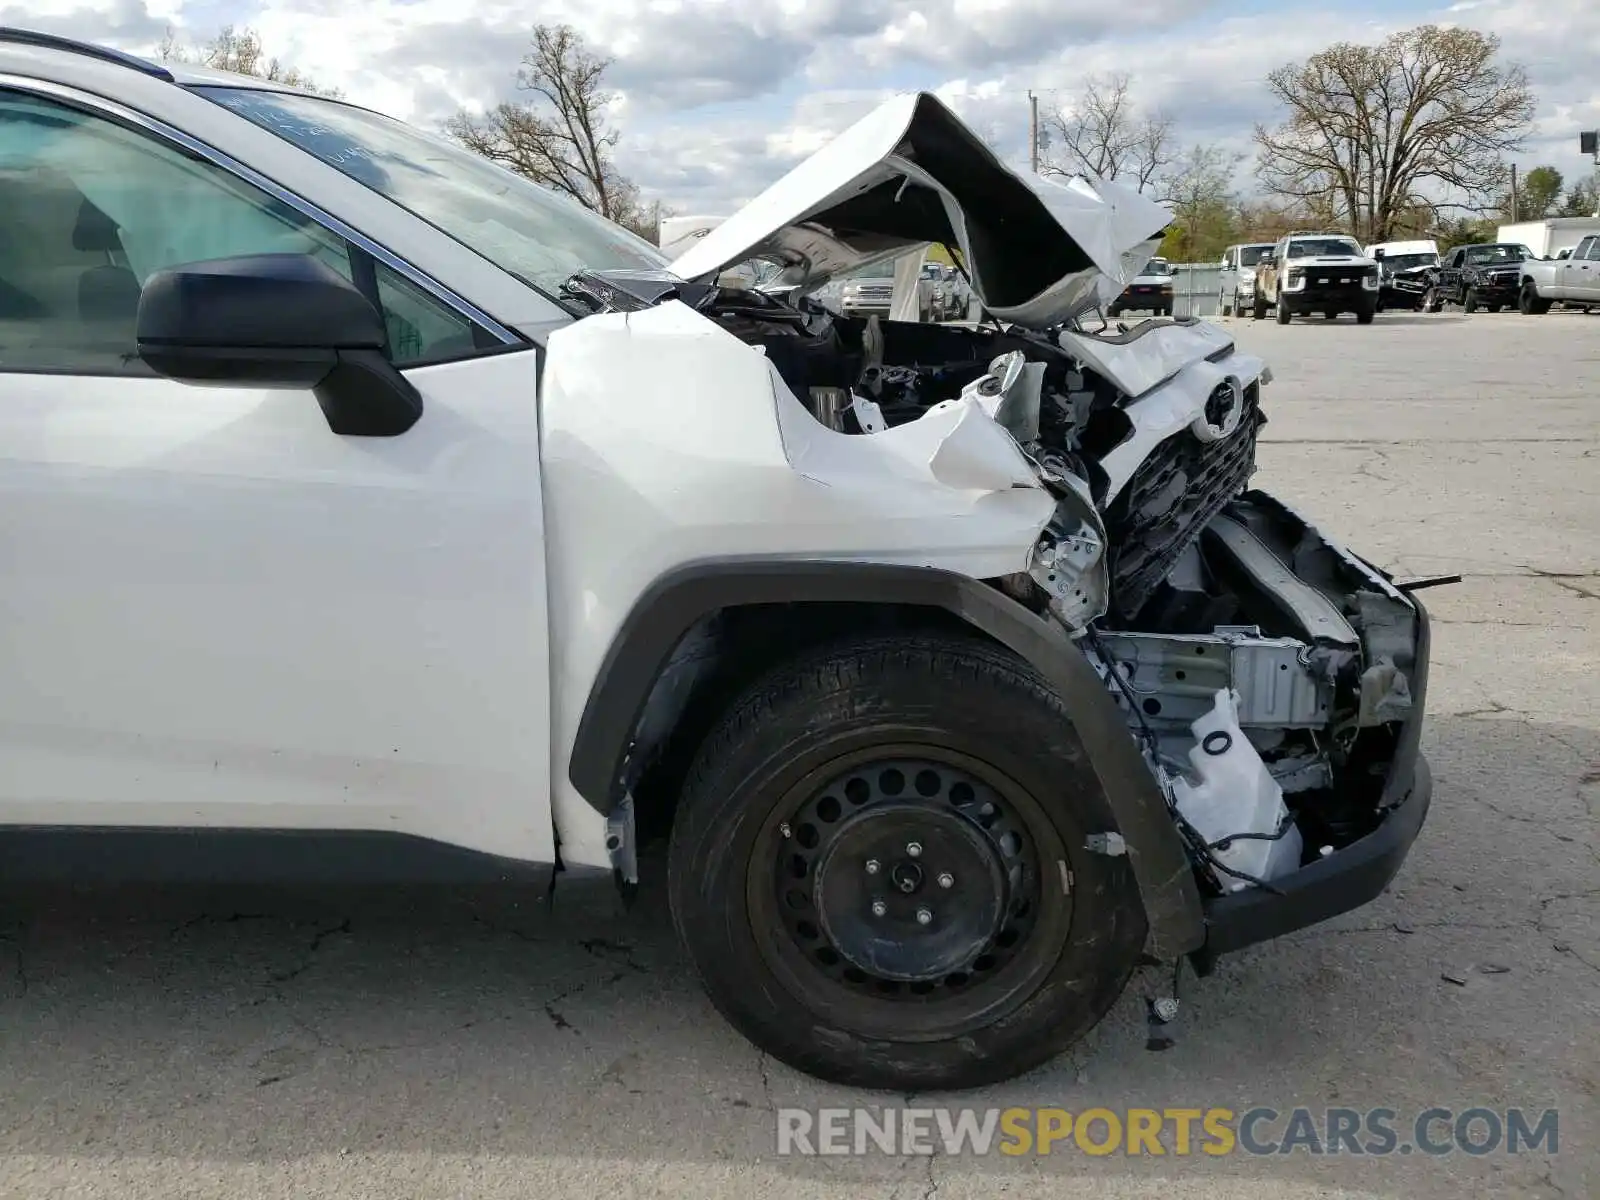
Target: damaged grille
<point>1173,496</point>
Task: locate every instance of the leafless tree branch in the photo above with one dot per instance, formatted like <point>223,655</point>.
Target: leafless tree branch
<point>1104,135</point>
<point>1425,118</point>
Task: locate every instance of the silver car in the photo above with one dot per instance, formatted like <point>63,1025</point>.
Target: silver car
<point>1237,290</point>
<point>870,292</point>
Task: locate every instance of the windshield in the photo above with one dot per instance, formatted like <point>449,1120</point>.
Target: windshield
<point>1307,247</point>
<point>1157,266</point>
<point>1504,253</point>
<point>1250,256</point>
<point>527,230</point>
<point>1404,262</point>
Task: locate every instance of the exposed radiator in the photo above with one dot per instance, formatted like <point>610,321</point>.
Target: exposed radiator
<point>1172,496</point>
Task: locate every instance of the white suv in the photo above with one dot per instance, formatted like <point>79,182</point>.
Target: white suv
<point>359,489</point>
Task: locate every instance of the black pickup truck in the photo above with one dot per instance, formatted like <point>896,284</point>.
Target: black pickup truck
<point>1481,276</point>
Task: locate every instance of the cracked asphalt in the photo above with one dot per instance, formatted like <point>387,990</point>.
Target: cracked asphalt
<point>235,1042</point>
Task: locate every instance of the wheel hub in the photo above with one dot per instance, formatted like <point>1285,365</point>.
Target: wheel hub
<point>906,875</point>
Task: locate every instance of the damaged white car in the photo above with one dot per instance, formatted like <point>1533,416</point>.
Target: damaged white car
<point>365,491</point>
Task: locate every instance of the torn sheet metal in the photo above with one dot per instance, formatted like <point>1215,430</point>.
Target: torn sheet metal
<point>911,173</point>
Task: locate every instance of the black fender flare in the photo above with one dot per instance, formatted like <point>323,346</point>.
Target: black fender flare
<point>679,599</point>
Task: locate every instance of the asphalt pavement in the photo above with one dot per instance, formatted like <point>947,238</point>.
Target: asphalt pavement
<point>405,1043</point>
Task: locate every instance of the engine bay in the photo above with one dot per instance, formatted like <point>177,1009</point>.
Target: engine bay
<point>1262,670</point>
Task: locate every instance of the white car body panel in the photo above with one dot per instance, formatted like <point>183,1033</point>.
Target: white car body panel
<point>234,618</point>
<point>349,634</point>
<point>1113,225</point>
<point>725,463</point>
<point>1157,354</point>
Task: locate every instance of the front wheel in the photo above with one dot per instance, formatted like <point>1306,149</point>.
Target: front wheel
<point>878,868</point>
<point>1364,317</point>
<point>1469,302</point>
<point>1284,315</point>
<point>1430,300</point>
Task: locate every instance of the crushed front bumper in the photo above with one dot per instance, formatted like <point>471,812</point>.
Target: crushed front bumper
<point>1349,877</point>
<point>1402,295</point>
<point>1494,291</point>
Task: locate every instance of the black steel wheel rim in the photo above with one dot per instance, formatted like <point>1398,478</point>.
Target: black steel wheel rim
<point>905,890</point>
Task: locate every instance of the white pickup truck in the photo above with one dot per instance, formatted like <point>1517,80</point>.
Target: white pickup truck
<point>1573,280</point>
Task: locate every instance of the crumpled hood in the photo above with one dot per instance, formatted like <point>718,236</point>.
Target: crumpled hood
<point>1037,250</point>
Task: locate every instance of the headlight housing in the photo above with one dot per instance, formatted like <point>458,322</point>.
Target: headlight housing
<point>1370,281</point>
<point>1294,277</point>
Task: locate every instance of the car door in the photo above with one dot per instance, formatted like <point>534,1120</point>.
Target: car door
<point>217,612</point>
<point>1450,277</point>
<point>1581,272</point>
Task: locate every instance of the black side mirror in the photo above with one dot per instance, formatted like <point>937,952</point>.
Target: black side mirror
<point>277,321</point>
<point>1377,255</point>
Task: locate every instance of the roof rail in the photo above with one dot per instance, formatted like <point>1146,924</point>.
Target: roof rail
<point>50,41</point>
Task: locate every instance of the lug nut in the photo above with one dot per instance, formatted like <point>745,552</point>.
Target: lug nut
<point>879,908</point>
<point>872,866</point>
<point>914,849</point>
<point>947,880</point>
<point>924,917</point>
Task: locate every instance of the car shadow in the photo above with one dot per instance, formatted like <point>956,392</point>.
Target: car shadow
<point>264,1026</point>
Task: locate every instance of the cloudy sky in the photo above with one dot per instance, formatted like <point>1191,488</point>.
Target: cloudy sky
<point>719,97</point>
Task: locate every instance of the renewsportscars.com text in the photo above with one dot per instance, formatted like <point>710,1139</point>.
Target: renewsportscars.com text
<point>1179,1132</point>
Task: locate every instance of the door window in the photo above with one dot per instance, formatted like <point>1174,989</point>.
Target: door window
<point>93,209</point>
<point>1593,253</point>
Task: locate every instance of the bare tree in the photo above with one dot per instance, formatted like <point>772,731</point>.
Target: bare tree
<point>1581,200</point>
<point>1424,118</point>
<point>239,51</point>
<point>1104,135</point>
<point>561,137</point>
<point>1205,209</point>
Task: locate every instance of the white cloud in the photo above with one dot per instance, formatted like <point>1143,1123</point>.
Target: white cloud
<point>719,97</point>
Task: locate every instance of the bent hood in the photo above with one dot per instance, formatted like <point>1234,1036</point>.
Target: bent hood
<point>911,173</point>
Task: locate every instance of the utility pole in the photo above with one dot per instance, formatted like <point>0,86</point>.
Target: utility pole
<point>1033,132</point>
<point>1589,143</point>
<point>1516,209</point>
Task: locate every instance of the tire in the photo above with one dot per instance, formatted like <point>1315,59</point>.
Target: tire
<point>1469,302</point>
<point>1330,316</point>
<point>1284,315</point>
<point>1258,310</point>
<point>824,767</point>
<point>1430,300</point>
<point>1494,308</point>
<point>1364,317</point>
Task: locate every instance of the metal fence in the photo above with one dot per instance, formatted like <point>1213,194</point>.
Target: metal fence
<point>1194,289</point>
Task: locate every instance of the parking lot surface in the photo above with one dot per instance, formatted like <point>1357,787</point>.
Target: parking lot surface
<point>405,1043</point>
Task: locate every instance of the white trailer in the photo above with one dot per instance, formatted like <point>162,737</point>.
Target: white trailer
<point>1551,236</point>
